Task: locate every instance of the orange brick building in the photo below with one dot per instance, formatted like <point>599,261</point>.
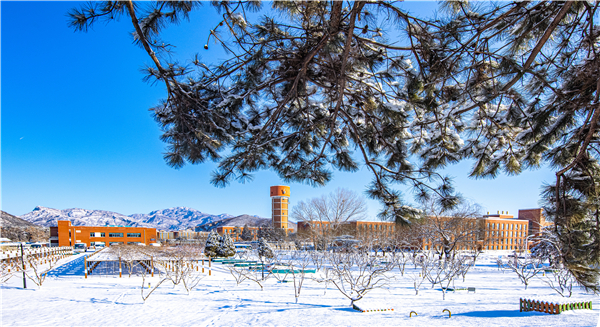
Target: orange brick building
<point>68,234</point>
<point>504,232</point>
<point>235,236</point>
<point>536,218</point>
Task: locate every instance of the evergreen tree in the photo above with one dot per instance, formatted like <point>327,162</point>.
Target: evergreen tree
<point>509,85</point>
<point>265,250</point>
<point>262,233</point>
<point>246,233</point>
<point>211,248</point>
<point>226,247</point>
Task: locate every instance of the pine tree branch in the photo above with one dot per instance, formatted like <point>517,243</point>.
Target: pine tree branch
<point>149,50</point>
<point>563,12</point>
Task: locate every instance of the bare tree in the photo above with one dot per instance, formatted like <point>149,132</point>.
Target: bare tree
<point>38,267</point>
<point>327,214</point>
<point>128,255</point>
<point>356,273</point>
<point>317,258</point>
<point>419,275</point>
<point>144,272</point>
<point>301,260</point>
<point>180,266</point>
<point>441,271</point>
<point>448,231</point>
<point>5,273</point>
<point>526,267</point>
<point>254,273</point>
<point>547,247</point>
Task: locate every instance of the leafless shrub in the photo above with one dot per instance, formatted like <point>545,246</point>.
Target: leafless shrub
<point>419,276</point>
<point>441,271</point>
<point>317,259</point>
<point>526,267</point>
<point>300,260</point>
<point>39,267</point>
<point>560,280</point>
<point>6,271</point>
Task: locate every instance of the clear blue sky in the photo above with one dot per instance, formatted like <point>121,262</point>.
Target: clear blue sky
<point>77,133</point>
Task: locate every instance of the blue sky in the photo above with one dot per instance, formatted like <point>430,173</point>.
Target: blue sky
<point>76,131</point>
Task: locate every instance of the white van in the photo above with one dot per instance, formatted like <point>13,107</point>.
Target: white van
<point>98,245</point>
<point>79,248</point>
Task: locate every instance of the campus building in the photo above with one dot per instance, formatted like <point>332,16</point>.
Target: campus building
<point>504,232</point>
<point>353,227</point>
<point>66,234</point>
<point>187,234</point>
<point>499,231</point>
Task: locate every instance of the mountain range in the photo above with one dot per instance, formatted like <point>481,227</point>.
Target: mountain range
<point>176,218</point>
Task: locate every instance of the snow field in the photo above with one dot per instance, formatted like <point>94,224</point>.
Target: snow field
<point>67,299</point>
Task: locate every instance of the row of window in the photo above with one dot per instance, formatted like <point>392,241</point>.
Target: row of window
<point>508,226</point>
<point>378,227</point>
<point>510,240</point>
<point>508,233</point>
<point>102,234</point>
<point>502,247</point>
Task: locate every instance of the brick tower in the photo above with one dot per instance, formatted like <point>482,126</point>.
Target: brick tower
<point>279,206</point>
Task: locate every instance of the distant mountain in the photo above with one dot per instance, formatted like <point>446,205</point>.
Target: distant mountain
<point>177,218</point>
<point>20,230</point>
<point>168,219</point>
<point>240,221</point>
<point>49,217</point>
<point>8,220</point>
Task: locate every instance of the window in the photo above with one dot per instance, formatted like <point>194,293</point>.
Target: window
<point>134,234</point>
<point>115,234</point>
<point>96,234</point>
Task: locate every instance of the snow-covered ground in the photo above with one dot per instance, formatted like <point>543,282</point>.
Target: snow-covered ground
<point>68,299</point>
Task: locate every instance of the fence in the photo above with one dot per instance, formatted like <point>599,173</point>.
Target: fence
<point>551,308</point>
<point>13,260</point>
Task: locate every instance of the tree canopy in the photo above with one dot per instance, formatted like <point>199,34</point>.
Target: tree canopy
<point>311,87</point>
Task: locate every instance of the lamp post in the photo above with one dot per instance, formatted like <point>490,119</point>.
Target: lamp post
<point>23,262</point>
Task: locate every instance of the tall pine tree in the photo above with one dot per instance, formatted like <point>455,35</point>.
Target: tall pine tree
<point>246,233</point>
<point>316,86</point>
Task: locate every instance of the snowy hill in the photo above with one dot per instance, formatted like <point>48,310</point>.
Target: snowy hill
<point>8,220</point>
<point>167,219</point>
